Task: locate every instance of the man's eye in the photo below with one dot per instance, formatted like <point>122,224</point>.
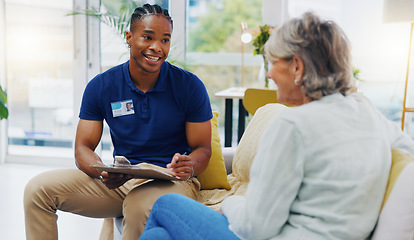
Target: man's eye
<point>166,40</point>
<point>147,37</point>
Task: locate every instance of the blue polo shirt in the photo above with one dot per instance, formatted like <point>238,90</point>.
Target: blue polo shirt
<point>147,127</point>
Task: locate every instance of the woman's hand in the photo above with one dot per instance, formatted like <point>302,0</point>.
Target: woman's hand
<point>182,166</point>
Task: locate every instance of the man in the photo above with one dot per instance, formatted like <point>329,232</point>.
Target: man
<point>171,116</point>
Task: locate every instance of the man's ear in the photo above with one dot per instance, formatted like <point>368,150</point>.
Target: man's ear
<point>128,36</point>
<point>297,67</point>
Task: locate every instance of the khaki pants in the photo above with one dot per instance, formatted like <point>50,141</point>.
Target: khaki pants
<point>73,191</point>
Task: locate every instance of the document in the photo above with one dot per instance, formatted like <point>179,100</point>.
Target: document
<point>140,170</point>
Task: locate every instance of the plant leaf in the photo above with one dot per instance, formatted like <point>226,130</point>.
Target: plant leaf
<point>261,39</point>
<point>3,96</point>
<point>4,112</point>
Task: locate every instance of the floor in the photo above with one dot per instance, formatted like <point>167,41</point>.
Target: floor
<point>14,178</point>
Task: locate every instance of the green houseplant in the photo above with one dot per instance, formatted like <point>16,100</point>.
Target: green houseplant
<point>356,73</point>
<point>259,42</point>
<point>4,112</point>
<point>116,17</point>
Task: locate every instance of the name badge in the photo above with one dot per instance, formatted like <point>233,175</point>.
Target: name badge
<point>122,108</point>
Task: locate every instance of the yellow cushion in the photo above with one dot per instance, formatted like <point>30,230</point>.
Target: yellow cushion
<point>396,220</point>
<point>215,175</point>
<point>400,159</point>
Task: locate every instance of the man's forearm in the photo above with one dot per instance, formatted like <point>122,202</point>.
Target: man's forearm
<point>200,158</point>
<point>84,159</point>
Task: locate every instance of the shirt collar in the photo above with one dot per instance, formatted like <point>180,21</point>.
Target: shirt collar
<point>332,97</point>
<point>161,82</point>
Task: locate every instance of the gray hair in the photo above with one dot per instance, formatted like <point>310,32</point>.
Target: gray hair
<point>324,49</point>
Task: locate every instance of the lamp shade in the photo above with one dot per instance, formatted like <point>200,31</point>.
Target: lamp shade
<point>398,11</point>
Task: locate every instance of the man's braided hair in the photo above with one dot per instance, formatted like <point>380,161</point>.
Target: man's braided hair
<point>148,10</point>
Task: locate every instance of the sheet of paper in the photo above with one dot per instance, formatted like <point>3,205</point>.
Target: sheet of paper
<point>142,170</point>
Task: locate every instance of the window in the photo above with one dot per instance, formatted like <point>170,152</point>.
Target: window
<point>39,57</point>
<point>48,66</point>
<point>214,48</point>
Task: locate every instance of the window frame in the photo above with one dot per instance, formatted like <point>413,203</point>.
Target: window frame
<point>86,66</point>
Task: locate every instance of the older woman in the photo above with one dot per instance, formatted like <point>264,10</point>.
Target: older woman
<point>322,167</point>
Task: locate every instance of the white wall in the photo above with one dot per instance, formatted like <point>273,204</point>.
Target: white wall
<point>3,128</point>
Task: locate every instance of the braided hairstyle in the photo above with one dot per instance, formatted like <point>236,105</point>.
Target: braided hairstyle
<point>149,10</point>
<point>324,49</point>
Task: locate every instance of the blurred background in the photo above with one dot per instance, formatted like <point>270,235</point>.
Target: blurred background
<point>48,55</point>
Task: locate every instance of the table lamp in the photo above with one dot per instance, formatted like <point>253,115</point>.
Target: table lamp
<point>401,11</point>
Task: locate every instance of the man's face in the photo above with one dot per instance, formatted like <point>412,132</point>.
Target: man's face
<point>150,42</point>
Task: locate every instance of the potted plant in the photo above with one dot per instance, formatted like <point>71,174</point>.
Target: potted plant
<point>4,112</point>
<point>258,43</point>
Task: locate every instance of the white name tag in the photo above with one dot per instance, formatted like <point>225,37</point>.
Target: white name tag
<point>122,108</point>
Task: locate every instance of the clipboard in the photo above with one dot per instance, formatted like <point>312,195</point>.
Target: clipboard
<point>140,170</point>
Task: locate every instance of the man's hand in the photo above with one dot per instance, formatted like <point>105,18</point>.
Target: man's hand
<point>114,180</point>
<point>182,166</point>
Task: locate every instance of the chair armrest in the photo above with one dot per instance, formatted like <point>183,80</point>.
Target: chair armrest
<point>228,154</point>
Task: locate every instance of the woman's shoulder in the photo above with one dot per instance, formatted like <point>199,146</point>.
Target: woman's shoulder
<point>360,97</point>
<point>314,110</point>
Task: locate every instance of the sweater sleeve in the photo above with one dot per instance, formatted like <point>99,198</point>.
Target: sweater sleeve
<point>398,138</point>
<point>275,179</point>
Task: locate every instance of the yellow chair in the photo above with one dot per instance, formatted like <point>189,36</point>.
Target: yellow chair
<point>255,98</point>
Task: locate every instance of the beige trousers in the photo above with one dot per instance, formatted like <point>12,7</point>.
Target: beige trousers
<point>73,191</point>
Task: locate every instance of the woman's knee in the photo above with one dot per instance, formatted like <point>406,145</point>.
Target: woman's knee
<point>155,233</point>
<point>174,201</point>
<point>170,198</point>
<point>166,206</point>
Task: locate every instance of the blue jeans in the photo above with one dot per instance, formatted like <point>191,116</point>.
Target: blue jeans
<point>174,216</point>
